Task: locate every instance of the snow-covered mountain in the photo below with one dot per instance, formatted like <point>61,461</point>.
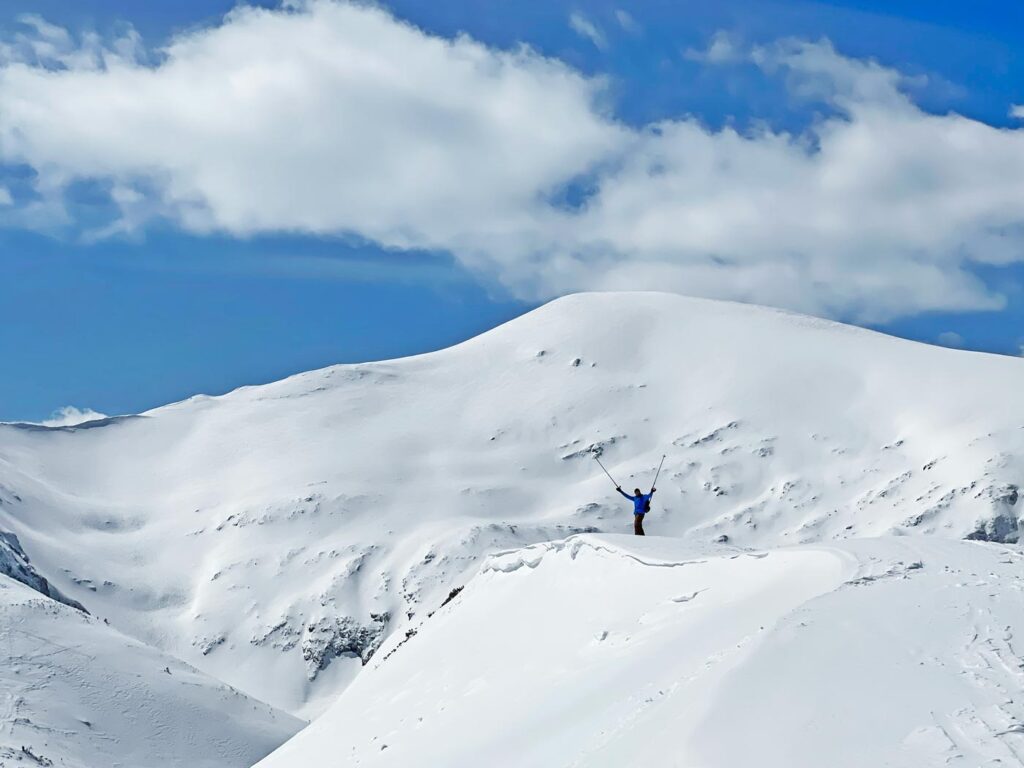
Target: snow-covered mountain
<point>280,537</point>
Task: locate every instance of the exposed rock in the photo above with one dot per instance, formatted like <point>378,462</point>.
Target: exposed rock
<point>29,755</point>
<point>714,435</point>
<point>15,563</point>
<point>283,636</point>
<point>207,645</point>
<point>451,596</point>
<point>1003,526</point>
<point>326,639</point>
<point>594,449</point>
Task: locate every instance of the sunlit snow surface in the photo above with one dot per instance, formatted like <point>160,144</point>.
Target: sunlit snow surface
<point>613,651</point>
<point>284,538</point>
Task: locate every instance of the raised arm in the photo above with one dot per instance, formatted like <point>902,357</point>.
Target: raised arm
<point>617,488</point>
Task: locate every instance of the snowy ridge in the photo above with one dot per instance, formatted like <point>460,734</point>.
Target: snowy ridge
<point>613,651</point>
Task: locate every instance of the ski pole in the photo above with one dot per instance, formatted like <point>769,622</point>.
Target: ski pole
<point>658,472</point>
<point>606,471</point>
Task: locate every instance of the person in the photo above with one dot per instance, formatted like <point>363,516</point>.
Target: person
<point>641,506</point>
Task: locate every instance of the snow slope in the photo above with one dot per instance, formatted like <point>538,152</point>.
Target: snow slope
<point>275,536</point>
<point>76,693</point>
<point>617,651</point>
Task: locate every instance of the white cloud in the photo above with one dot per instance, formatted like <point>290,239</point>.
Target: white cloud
<point>6,198</point>
<point>327,120</point>
<point>626,21</point>
<point>722,49</point>
<point>585,28</point>
<point>818,71</point>
<point>69,416</point>
<point>46,44</point>
<point>331,118</point>
<point>950,339</point>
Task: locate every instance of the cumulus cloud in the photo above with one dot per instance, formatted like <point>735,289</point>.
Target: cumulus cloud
<point>329,118</point>
<point>69,416</point>
<point>585,28</point>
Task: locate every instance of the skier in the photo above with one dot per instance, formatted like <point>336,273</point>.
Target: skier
<point>641,506</point>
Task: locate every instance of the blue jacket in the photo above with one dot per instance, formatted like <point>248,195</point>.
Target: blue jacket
<point>639,502</point>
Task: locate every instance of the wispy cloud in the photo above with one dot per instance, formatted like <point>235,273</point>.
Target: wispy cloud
<point>334,119</point>
<point>585,28</point>
<point>626,21</point>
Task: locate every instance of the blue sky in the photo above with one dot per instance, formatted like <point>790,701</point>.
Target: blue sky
<point>126,285</point>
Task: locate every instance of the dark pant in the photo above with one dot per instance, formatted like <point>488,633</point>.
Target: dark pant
<point>638,525</point>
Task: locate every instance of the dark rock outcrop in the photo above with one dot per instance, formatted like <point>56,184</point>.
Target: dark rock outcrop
<point>325,640</point>
<point>1003,525</point>
<point>15,563</point>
